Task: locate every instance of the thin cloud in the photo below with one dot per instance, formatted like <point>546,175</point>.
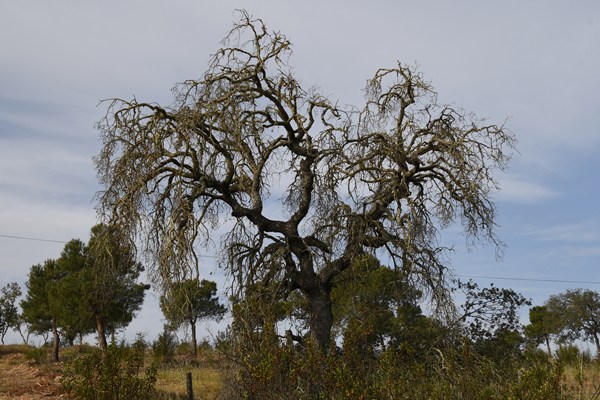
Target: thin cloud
<point>522,192</point>
<point>569,233</point>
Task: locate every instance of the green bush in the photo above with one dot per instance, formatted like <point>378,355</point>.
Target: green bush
<point>540,379</point>
<point>38,355</point>
<point>571,355</point>
<point>118,373</point>
<point>184,348</point>
<point>165,346</point>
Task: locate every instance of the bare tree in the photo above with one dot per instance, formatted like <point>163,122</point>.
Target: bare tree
<point>246,137</point>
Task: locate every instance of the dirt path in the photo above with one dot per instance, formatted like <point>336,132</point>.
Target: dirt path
<point>21,379</point>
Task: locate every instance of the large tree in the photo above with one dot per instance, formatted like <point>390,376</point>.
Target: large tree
<point>67,292</point>
<point>113,294</point>
<point>88,288</point>
<point>310,185</point>
<point>191,300</point>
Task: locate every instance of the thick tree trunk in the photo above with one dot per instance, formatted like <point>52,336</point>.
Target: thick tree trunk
<point>321,316</point>
<point>194,343</point>
<point>55,341</point>
<point>101,333</point>
<point>597,342</point>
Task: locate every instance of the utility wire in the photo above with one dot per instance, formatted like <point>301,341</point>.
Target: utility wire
<point>505,278</point>
<point>62,241</point>
<point>33,239</point>
<point>528,279</point>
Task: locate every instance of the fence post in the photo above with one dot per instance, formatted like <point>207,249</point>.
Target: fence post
<point>190,390</point>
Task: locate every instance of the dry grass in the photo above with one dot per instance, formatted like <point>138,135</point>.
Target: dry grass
<point>583,381</point>
<point>206,382</point>
<point>24,379</point>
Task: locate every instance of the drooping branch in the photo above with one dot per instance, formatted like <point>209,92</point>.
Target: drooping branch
<point>310,186</point>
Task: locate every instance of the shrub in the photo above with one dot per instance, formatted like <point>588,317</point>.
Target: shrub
<point>165,346</point>
<point>184,348</point>
<point>571,355</point>
<point>540,379</point>
<point>38,355</point>
<point>116,374</point>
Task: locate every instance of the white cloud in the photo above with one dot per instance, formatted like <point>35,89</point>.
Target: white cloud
<point>582,232</point>
<point>519,191</point>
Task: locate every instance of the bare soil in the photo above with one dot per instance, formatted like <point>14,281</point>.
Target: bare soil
<point>22,379</point>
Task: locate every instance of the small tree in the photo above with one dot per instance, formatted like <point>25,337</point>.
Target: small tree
<point>36,307</point>
<point>376,299</point>
<point>492,320</point>
<point>9,315</point>
<point>543,325</point>
<point>189,301</point>
<point>579,313</point>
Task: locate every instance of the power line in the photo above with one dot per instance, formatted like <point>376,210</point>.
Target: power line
<point>528,279</point>
<point>32,239</point>
<point>62,241</point>
<point>505,278</point>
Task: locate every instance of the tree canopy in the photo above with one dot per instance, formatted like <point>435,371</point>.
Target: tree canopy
<point>9,315</point>
<point>309,185</point>
<point>191,300</point>
<point>88,288</point>
<point>36,307</point>
<point>578,311</point>
<point>544,325</point>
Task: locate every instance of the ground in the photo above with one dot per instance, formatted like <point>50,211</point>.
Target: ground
<point>22,379</point>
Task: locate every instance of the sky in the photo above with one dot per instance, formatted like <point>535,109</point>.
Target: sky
<point>532,65</point>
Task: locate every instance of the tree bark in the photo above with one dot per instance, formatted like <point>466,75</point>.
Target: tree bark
<point>321,316</point>
<point>194,343</point>
<point>548,349</point>
<point>101,333</point>
<point>25,338</point>
<point>55,341</point>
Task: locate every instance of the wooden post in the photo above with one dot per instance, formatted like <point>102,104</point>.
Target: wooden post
<point>190,390</point>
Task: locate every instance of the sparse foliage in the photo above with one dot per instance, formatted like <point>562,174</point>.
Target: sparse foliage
<point>246,136</point>
<point>489,310</point>
<point>492,318</point>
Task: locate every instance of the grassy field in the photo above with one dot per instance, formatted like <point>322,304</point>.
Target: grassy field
<point>583,381</point>
<point>26,373</point>
<point>172,382</point>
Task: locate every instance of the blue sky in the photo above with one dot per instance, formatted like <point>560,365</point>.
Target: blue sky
<point>533,64</point>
